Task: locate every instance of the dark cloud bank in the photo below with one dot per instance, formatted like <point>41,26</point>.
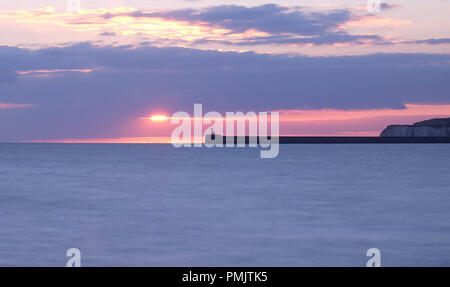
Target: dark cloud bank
<point>285,25</point>
<point>133,82</point>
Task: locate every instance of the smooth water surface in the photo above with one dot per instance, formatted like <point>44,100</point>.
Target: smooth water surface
<point>151,205</point>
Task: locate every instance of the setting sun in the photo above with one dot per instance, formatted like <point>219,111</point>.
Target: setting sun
<point>159,118</point>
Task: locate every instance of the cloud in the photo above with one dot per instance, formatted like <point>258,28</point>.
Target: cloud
<point>269,18</point>
<point>374,22</point>
<point>111,34</point>
<point>328,39</point>
<point>387,6</point>
<point>266,26</point>
<point>430,41</point>
<point>281,25</point>
<point>50,73</point>
<point>14,106</point>
<point>132,83</point>
<point>433,41</point>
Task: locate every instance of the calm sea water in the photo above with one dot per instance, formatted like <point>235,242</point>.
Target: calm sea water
<point>314,205</point>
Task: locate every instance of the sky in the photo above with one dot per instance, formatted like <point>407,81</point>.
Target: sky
<point>95,71</point>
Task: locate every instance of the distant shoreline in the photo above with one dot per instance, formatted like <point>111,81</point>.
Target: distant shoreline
<point>353,140</point>
<point>299,140</point>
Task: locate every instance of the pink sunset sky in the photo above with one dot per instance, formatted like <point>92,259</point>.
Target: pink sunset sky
<point>94,72</point>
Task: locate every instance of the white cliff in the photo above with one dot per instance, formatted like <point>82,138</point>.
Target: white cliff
<point>429,128</point>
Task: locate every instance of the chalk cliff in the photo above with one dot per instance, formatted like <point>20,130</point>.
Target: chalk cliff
<point>428,128</point>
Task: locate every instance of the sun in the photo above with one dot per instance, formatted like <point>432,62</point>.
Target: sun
<point>159,118</point>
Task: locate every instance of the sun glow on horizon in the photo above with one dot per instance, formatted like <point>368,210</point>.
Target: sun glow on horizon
<point>159,118</point>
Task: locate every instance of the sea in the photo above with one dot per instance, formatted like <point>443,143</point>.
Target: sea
<point>156,205</point>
